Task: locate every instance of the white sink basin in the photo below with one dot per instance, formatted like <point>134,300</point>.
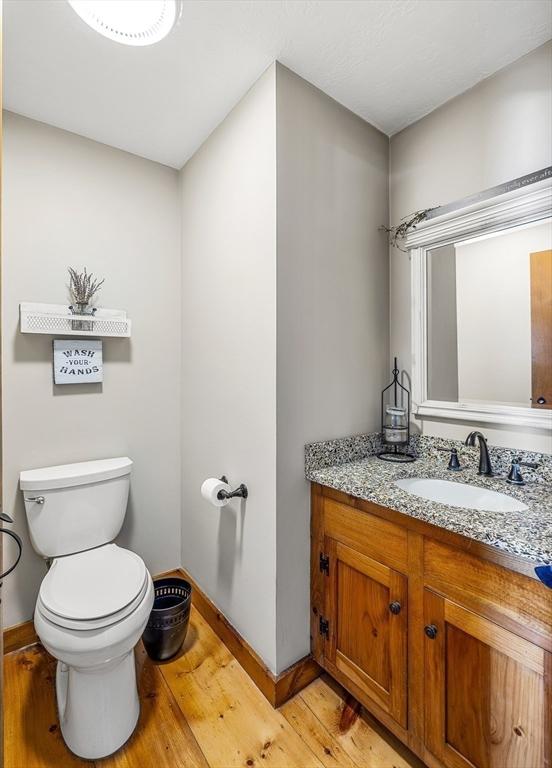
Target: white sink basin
<point>460,495</point>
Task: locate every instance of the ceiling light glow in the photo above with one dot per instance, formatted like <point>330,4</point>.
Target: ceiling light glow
<point>131,22</point>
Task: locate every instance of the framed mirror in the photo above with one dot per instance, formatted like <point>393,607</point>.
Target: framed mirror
<point>482,307</point>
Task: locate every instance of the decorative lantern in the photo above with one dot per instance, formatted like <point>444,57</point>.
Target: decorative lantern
<point>395,421</point>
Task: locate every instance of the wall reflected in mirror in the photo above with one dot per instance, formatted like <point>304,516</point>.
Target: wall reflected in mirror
<point>490,318</point>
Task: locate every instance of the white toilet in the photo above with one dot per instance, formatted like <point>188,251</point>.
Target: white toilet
<point>94,601</point>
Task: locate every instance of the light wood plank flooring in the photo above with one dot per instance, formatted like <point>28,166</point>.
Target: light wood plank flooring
<point>198,711</point>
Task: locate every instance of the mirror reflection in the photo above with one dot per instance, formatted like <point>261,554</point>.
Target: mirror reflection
<point>489,333</point>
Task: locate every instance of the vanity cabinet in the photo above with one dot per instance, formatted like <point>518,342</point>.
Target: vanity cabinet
<point>365,625</point>
<point>436,635</point>
<point>488,690</point>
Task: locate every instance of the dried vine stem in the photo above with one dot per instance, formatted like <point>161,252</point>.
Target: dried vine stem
<point>83,286</point>
<point>398,234</point>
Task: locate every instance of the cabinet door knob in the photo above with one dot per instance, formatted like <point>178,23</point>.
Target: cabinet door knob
<point>541,400</point>
<point>395,607</point>
<point>431,631</point>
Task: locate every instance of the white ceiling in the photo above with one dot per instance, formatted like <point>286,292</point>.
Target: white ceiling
<point>390,61</point>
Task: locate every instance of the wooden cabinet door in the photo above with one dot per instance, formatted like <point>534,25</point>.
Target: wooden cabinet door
<point>367,632</point>
<point>487,691</point>
<point>541,329</point>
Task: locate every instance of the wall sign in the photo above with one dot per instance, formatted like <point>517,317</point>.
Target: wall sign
<point>78,361</point>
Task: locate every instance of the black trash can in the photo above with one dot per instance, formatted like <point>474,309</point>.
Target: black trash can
<point>166,629</point>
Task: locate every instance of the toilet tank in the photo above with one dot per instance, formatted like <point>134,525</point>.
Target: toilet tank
<point>73,507</point>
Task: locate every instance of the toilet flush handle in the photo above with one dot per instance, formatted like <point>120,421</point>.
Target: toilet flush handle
<point>38,499</point>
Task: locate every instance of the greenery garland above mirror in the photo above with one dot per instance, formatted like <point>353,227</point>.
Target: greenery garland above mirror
<point>398,234</point>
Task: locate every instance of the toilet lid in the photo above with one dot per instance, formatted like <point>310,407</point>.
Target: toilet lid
<point>93,584</point>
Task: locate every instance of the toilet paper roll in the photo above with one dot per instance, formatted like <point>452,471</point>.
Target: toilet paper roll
<point>210,489</point>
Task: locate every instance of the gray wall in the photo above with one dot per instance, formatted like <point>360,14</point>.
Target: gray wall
<point>285,337</point>
<point>333,310</point>
<point>71,201</point>
<point>495,132</point>
<point>228,206</point>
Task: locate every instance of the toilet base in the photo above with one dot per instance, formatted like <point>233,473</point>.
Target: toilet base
<point>98,706</point>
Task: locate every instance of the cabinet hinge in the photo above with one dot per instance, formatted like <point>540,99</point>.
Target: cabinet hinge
<point>324,563</point>
<point>324,626</point>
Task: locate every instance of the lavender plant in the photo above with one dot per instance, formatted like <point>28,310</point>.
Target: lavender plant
<point>83,286</point>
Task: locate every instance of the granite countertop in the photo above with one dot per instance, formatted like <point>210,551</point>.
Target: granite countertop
<point>527,534</point>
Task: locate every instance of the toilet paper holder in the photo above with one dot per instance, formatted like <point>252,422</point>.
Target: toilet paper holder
<point>240,492</point>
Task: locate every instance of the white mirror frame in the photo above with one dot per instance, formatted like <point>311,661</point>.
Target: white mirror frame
<point>495,213</point>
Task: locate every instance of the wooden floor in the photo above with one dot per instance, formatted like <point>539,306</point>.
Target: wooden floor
<point>199,710</point>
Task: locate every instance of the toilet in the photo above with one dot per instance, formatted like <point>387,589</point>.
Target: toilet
<point>93,603</point>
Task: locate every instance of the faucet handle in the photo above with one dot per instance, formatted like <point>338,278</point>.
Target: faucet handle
<point>454,463</point>
<point>514,476</point>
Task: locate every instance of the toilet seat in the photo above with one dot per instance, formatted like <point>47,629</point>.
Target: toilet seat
<point>93,589</point>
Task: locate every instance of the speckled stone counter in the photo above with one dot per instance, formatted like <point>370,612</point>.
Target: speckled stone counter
<point>357,471</point>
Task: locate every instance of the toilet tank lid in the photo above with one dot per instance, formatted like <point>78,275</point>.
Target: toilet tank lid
<point>67,475</point>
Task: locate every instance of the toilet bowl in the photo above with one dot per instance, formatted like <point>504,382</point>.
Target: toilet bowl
<point>95,680</point>
<point>93,603</point>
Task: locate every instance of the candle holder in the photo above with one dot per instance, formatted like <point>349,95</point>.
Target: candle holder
<point>395,421</point>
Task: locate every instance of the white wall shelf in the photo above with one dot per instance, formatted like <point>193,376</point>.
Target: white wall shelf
<point>56,319</point>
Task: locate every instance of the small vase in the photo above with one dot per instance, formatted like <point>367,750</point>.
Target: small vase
<point>81,308</point>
